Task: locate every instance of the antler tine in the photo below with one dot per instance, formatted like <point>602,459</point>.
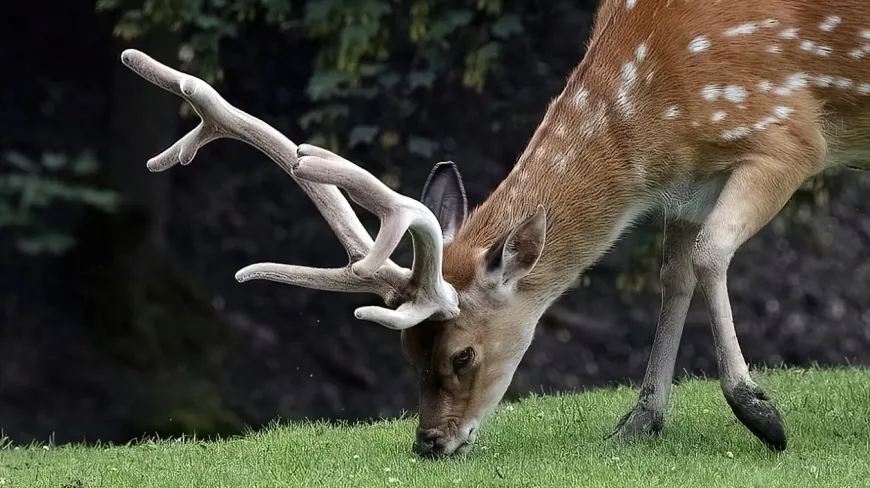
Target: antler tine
<point>398,213</point>
<point>220,119</point>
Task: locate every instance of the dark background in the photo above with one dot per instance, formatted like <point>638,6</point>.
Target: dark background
<point>119,314</point>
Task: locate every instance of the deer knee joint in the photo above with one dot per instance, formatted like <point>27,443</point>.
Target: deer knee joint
<point>710,258</point>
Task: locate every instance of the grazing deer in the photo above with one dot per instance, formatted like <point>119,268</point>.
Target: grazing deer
<point>710,114</point>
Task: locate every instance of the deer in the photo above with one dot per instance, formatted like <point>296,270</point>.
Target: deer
<point>705,115</point>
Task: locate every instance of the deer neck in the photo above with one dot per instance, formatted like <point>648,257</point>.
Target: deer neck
<point>585,175</point>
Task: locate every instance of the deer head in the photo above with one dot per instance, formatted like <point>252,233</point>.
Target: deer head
<point>459,318</point>
<point>466,363</point>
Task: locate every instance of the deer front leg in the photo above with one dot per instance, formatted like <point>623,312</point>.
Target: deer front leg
<point>755,192</point>
<point>678,284</point>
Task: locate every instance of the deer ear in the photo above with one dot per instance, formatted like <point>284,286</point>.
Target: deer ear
<point>516,252</point>
<point>444,195</point>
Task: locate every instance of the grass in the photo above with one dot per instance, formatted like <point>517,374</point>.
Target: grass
<point>541,441</point>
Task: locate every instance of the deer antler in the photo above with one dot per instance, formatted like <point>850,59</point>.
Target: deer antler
<point>420,292</point>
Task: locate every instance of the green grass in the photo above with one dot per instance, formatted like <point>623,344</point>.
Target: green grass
<point>542,441</point>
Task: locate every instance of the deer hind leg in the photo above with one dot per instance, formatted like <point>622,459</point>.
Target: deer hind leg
<point>678,284</point>
<point>755,192</point>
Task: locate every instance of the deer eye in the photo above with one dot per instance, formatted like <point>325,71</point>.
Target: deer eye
<point>463,358</point>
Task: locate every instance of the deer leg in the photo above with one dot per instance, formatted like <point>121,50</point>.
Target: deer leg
<point>755,192</point>
<point>678,284</point>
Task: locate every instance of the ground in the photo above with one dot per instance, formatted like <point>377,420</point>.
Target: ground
<point>556,440</point>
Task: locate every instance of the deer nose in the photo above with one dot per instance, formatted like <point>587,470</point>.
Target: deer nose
<point>429,442</point>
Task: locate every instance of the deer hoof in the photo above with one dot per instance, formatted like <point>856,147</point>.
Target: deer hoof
<point>754,409</point>
<point>639,423</point>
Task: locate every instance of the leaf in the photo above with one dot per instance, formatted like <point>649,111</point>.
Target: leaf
<point>507,26</point>
<point>362,134</point>
<point>53,161</point>
<point>449,23</point>
<point>421,146</point>
<point>48,243</point>
<point>20,161</point>
<point>329,113</point>
<point>105,200</point>
<point>326,85</point>
<point>421,78</point>
<point>389,80</point>
<point>86,164</point>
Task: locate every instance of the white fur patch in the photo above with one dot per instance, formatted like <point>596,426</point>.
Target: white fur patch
<point>629,4</point>
<point>742,29</point>
<point>581,97</point>
<point>718,116</point>
<point>735,133</point>
<point>700,43</point>
<point>782,112</point>
<point>623,97</point>
<point>711,93</point>
<point>829,23</point>
<point>843,82</point>
<point>735,93</point>
<point>790,33</point>
<point>773,48</point>
<point>672,112</point>
<point>640,53</point>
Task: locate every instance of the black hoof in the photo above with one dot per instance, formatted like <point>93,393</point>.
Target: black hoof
<point>639,422</point>
<point>752,408</point>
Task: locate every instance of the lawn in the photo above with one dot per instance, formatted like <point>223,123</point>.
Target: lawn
<point>542,441</point>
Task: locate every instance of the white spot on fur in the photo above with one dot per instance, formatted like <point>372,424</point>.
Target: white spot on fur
<point>711,93</point>
<point>640,54</point>
<point>695,123</point>
<point>770,23</point>
<point>734,93</point>
<point>829,23</point>
<point>843,82</point>
<point>823,50</point>
<point>742,29</point>
<point>782,112</point>
<point>581,97</point>
<point>797,80</point>
<point>629,4</point>
<point>735,133</point>
<point>741,107</point>
<point>807,45</point>
<point>629,77</point>
<point>700,43</point>
<point>865,33</point>
<point>672,112</point>
<point>858,52</point>
<point>773,48</point>
<point>824,80</point>
<point>718,116</point>
<point>765,85</point>
<point>793,82</point>
<point>763,123</point>
<point>863,88</point>
<point>790,33</point>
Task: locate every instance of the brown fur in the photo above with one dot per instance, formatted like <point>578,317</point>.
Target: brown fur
<point>592,164</point>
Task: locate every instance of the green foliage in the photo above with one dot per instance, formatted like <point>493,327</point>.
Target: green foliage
<point>375,59</point>
<point>31,192</point>
<point>552,441</point>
